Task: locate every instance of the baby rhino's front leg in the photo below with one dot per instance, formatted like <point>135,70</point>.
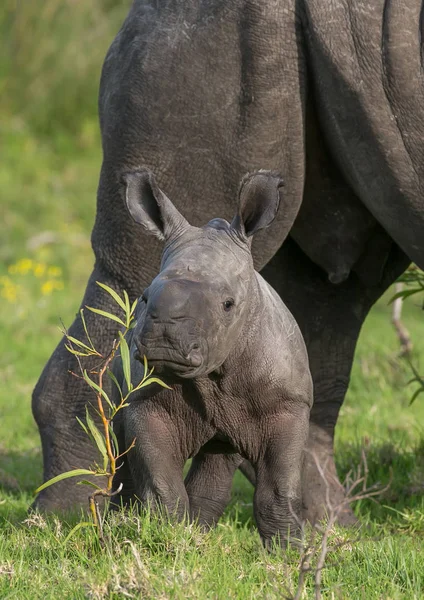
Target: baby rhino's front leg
<point>277,500</point>
<point>156,462</point>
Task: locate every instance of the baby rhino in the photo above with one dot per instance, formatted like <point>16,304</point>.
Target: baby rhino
<point>234,357</point>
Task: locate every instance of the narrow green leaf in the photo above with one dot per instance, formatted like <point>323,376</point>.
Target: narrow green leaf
<point>76,352</point>
<point>97,436</point>
<point>112,293</point>
<point>78,526</point>
<point>127,308</point>
<point>114,439</point>
<point>86,482</point>
<point>125,357</point>
<point>86,330</point>
<point>133,306</point>
<point>145,366</point>
<point>127,301</point>
<point>411,292</point>
<point>415,395</point>
<point>108,315</point>
<point>78,342</point>
<point>412,275</point>
<point>82,425</point>
<point>152,380</point>
<point>62,476</point>
<point>115,381</point>
<point>97,388</point>
<point>404,294</point>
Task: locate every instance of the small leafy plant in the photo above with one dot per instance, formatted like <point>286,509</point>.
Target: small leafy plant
<point>104,438</point>
<point>413,280</point>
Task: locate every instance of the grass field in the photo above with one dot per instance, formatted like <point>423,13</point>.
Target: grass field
<point>45,260</point>
<point>48,179</point>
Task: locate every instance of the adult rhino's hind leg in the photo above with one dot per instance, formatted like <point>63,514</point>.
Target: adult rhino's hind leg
<point>330,317</point>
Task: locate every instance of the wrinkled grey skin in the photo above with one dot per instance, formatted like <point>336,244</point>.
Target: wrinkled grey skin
<point>329,93</point>
<point>210,325</point>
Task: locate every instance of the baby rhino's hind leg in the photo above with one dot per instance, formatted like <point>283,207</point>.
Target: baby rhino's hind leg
<point>156,462</point>
<point>208,485</point>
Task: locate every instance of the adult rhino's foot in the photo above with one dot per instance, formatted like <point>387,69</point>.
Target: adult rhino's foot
<point>65,497</point>
<point>322,491</point>
<point>58,400</point>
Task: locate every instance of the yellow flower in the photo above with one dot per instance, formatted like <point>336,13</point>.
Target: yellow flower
<point>47,287</point>
<point>54,271</point>
<point>9,289</point>
<point>39,269</point>
<point>9,294</point>
<point>22,267</point>
<point>50,285</point>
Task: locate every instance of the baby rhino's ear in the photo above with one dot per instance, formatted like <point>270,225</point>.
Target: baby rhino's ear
<point>259,198</point>
<point>150,207</point>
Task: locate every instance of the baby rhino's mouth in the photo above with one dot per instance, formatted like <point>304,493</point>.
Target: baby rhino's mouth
<point>168,361</point>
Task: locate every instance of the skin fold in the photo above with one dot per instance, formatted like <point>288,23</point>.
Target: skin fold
<point>325,92</point>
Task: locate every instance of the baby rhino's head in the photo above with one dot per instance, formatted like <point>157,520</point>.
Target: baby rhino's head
<point>194,310</point>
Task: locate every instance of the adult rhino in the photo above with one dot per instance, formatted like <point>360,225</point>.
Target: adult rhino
<point>327,93</point>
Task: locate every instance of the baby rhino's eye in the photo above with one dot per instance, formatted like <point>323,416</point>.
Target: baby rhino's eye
<point>228,304</point>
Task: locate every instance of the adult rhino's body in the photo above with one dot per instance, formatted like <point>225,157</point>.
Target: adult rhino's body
<point>329,93</point>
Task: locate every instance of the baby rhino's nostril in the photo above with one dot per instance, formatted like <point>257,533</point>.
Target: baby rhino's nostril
<point>194,356</point>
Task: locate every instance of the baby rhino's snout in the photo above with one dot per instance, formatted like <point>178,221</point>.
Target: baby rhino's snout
<point>171,299</point>
<point>171,334</point>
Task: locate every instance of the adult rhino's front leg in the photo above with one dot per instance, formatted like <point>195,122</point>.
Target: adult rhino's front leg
<point>59,398</point>
<point>122,263</point>
<point>330,318</point>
